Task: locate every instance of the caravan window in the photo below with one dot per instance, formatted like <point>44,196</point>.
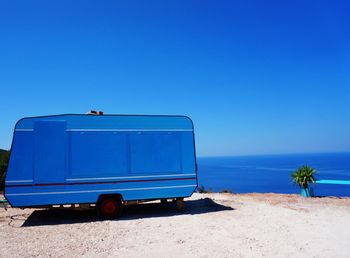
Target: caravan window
<point>98,153</point>
<point>155,152</point>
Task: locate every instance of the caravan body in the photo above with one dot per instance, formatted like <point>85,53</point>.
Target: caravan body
<point>75,159</point>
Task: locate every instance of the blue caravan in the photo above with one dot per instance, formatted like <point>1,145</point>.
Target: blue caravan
<point>105,160</point>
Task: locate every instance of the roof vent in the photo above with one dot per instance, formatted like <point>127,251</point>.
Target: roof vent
<point>94,112</point>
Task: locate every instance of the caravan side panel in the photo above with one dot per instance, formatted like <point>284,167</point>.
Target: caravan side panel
<point>72,159</point>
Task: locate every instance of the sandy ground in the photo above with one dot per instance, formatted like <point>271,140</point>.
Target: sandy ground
<point>214,225</point>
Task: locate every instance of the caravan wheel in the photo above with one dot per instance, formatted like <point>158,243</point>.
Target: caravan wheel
<point>109,207</point>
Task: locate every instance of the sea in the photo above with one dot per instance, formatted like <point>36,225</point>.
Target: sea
<point>272,173</point>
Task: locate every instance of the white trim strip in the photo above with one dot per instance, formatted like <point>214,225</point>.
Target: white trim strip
<point>24,130</point>
<point>127,130</point>
<point>126,177</point>
<point>113,130</point>
<point>18,181</point>
<point>104,190</point>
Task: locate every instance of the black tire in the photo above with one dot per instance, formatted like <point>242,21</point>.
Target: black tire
<point>109,207</point>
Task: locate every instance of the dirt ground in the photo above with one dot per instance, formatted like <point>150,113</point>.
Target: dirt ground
<point>214,225</point>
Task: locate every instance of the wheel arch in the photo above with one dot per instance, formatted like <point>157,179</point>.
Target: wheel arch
<point>110,195</point>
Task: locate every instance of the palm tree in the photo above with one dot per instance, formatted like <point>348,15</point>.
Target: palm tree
<point>303,176</point>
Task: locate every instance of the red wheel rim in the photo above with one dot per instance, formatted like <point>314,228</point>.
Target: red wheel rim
<point>109,207</point>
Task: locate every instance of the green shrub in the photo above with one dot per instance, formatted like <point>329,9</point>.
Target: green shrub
<point>4,159</point>
<point>226,191</point>
<point>201,189</point>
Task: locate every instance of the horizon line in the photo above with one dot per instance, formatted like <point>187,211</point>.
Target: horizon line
<point>273,154</point>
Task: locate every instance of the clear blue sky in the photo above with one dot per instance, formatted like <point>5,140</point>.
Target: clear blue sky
<point>256,77</point>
